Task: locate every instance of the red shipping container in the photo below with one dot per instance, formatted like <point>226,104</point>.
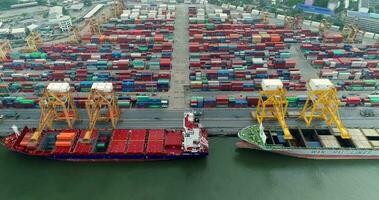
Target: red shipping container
<point>135,147</point>
<point>155,147</point>
<point>174,140</point>
<point>137,134</point>
<point>120,134</point>
<point>156,134</point>
<point>117,146</point>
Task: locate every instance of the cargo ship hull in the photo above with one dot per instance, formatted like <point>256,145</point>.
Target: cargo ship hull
<point>118,145</point>
<point>315,153</point>
<point>116,158</point>
<point>255,141</point>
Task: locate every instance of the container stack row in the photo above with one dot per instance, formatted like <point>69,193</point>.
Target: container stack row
<point>227,54</point>
<point>140,101</point>
<point>229,101</point>
<point>134,52</point>
<point>350,68</point>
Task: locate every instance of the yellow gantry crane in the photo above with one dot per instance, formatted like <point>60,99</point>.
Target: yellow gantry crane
<point>350,33</point>
<point>323,103</point>
<point>118,8</point>
<point>289,22</point>
<point>5,47</point>
<point>298,22</point>
<point>324,26</point>
<point>56,104</point>
<point>101,105</point>
<point>75,38</point>
<point>265,17</point>
<point>33,40</point>
<point>273,104</point>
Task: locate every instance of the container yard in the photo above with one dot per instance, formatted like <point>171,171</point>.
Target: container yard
<point>231,97</point>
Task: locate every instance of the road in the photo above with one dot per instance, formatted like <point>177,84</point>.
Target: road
<point>218,121</point>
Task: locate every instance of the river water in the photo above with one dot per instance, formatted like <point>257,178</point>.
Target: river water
<point>227,173</point>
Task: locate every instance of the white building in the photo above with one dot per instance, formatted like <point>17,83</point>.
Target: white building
<point>65,23</point>
<point>55,12</point>
<point>18,32</point>
<point>32,27</point>
<point>363,6</point>
<point>333,4</point>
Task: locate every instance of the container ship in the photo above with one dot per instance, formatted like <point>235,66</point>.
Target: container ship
<point>313,143</point>
<point>322,103</point>
<point>114,145</point>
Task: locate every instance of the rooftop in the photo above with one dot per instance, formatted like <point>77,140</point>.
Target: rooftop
<point>315,9</point>
<point>93,11</point>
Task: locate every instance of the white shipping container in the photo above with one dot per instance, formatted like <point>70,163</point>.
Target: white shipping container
<point>271,84</point>
<point>280,17</point>
<point>255,12</point>
<point>240,8</point>
<point>320,84</point>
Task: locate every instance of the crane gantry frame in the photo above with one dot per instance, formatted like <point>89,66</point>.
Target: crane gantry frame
<point>5,47</point>
<point>324,26</point>
<point>265,17</point>
<point>273,104</point>
<point>33,40</point>
<point>101,97</point>
<point>350,33</point>
<point>56,104</point>
<point>323,104</point>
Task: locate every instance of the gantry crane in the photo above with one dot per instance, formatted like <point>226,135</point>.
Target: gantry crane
<point>56,104</point>
<point>5,47</point>
<point>118,8</point>
<point>101,105</point>
<point>322,103</point>
<point>33,40</point>
<point>350,33</point>
<point>265,17</point>
<point>94,28</point>
<point>273,104</point>
<point>324,26</point>
<point>289,22</point>
<point>298,22</point>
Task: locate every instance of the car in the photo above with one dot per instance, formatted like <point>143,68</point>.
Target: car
<point>367,113</point>
<point>8,115</point>
<point>197,113</point>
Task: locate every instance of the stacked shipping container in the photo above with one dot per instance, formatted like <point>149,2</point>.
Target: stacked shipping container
<point>232,55</point>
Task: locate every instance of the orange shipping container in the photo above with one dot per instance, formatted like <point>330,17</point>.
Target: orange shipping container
<point>63,143</point>
<point>275,38</point>
<point>102,38</point>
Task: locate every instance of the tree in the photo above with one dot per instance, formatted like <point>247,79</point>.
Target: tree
<point>87,2</point>
<point>45,14</point>
<point>292,3</point>
<point>318,17</point>
<point>321,3</point>
<point>5,4</point>
<point>42,2</point>
<point>65,11</point>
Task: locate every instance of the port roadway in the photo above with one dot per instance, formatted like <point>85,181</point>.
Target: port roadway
<point>218,121</point>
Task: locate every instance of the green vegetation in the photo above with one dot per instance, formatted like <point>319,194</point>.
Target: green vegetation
<point>321,3</point>
<point>45,14</point>
<point>42,2</point>
<point>294,2</point>
<point>87,2</point>
<point>6,4</point>
<point>65,11</point>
